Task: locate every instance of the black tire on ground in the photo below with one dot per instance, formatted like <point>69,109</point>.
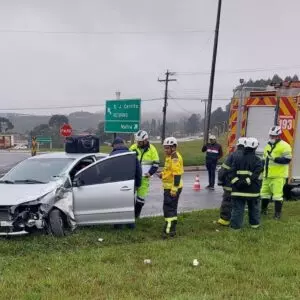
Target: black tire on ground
<point>56,223</point>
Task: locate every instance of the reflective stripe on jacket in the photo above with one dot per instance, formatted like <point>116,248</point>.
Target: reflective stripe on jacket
<point>279,149</point>
<point>224,172</point>
<point>173,167</point>
<point>147,157</point>
<point>246,175</point>
<point>213,152</point>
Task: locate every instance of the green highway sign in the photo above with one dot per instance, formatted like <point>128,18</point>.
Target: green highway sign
<point>123,116</point>
<point>43,139</point>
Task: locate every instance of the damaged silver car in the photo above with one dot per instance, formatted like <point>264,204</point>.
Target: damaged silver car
<point>56,192</point>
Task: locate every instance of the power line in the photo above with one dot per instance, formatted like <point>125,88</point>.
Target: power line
<point>29,31</point>
<point>182,108</point>
<point>236,71</point>
<point>198,99</point>
<point>67,106</point>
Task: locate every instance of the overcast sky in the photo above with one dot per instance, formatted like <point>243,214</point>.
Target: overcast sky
<point>79,52</point>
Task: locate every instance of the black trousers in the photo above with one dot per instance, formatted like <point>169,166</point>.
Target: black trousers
<point>226,206</point>
<point>170,211</point>
<point>238,208</point>
<point>211,168</point>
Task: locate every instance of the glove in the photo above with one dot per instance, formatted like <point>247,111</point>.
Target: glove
<point>174,191</point>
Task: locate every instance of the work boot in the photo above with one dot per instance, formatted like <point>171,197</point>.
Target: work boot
<point>164,233</point>
<point>278,209</point>
<point>173,228</point>
<point>264,206</point>
<point>138,209</point>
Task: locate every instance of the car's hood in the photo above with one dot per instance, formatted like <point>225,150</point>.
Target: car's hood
<point>15,194</point>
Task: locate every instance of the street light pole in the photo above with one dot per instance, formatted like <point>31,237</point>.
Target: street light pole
<point>212,74</point>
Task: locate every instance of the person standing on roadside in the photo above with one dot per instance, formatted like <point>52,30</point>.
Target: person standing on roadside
<point>149,160</point>
<point>214,152</point>
<point>277,156</point>
<point>172,184</point>
<point>246,179</point>
<point>120,147</point>
<point>33,146</point>
<point>224,181</point>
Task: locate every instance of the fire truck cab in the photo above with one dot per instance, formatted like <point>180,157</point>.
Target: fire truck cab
<point>256,113</point>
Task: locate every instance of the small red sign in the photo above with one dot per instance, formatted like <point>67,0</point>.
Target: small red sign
<point>66,130</point>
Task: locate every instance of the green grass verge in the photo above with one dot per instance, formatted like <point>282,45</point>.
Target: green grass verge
<point>191,152</point>
<point>247,264</point>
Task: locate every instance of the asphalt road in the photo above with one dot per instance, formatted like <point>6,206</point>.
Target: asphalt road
<point>189,199</point>
<point>9,158</point>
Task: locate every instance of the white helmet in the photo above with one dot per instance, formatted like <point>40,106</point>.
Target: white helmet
<point>141,136</point>
<point>170,141</point>
<point>241,141</point>
<point>212,137</point>
<point>275,130</point>
<point>251,143</point>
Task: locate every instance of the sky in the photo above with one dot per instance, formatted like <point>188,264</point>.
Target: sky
<point>61,56</point>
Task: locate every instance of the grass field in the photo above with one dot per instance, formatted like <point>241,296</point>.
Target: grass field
<point>191,151</point>
<point>247,264</point>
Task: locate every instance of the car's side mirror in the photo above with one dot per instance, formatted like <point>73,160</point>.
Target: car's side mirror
<point>76,182</point>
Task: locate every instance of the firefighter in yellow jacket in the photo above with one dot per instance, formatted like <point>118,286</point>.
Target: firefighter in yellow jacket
<point>172,184</point>
<point>33,146</point>
<point>277,156</point>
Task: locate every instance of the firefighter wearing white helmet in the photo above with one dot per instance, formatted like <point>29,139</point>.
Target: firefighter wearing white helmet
<point>172,184</point>
<point>149,160</point>
<point>224,181</point>
<point>277,156</point>
<point>246,183</point>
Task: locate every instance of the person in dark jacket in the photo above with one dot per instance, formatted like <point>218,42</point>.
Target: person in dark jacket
<point>213,153</point>
<point>246,179</point>
<point>120,147</point>
<point>224,181</point>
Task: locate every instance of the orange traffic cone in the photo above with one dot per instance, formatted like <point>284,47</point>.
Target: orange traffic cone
<point>197,184</point>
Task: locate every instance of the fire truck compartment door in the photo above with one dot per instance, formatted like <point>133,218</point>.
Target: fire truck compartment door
<point>259,121</point>
<point>295,172</point>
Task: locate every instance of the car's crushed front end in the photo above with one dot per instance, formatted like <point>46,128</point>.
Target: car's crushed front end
<point>22,213</point>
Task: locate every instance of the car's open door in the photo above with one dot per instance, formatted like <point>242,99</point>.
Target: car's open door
<point>104,191</point>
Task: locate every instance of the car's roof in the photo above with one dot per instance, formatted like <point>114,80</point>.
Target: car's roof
<point>67,155</point>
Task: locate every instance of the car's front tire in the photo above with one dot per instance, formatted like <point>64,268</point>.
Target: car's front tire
<point>56,223</point>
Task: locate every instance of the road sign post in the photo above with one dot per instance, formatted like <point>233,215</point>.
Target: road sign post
<point>123,116</point>
<point>43,140</point>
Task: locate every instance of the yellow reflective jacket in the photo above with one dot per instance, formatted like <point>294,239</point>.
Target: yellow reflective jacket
<point>273,153</point>
<point>173,166</point>
<point>148,158</point>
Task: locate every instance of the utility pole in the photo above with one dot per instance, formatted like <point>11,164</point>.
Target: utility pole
<point>212,74</point>
<point>205,114</point>
<point>163,133</point>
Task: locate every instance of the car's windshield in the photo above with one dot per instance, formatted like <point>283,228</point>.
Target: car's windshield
<point>38,170</point>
